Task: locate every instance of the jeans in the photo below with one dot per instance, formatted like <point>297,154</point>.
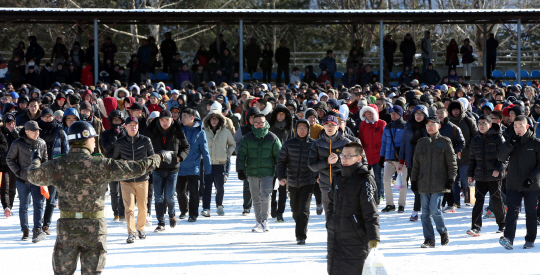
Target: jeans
<point>25,191</point>
<point>117,202</point>
<point>300,202</point>
<point>216,178</point>
<point>494,188</point>
<point>285,70</point>
<point>462,174</point>
<point>261,189</point>
<point>164,187</point>
<point>247,195</point>
<point>431,206</point>
<point>425,63</point>
<point>49,206</point>
<point>377,171</point>
<point>278,207</point>
<point>188,183</point>
<point>8,188</point>
<point>513,200</point>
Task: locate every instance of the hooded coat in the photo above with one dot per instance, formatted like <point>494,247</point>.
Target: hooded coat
<point>198,148</point>
<point>310,76</point>
<point>120,100</point>
<point>110,104</point>
<point>55,107</point>
<point>34,51</point>
<point>413,131</point>
<point>467,126</point>
<point>371,134</point>
<point>55,138</point>
<point>353,219</point>
<point>258,153</point>
<point>172,139</point>
<point>221,144</point>
<point>283,130</point>
<point>292,161</point>
<point>483,160</point>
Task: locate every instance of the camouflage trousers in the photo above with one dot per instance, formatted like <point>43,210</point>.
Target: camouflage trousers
<point>80,238</point>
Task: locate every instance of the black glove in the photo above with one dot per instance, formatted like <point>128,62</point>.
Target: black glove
<point>241,175</point>
<point>36,154</point>
<point>381,162</point>
<point>515,140</point>
<point>414,186</point>
<point>527,183</point>
<point>449,184</point>
<point>166,156</point>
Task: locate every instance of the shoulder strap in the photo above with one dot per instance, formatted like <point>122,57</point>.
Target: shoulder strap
<point>453,125</point>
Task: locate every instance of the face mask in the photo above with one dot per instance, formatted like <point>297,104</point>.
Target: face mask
<point>85,117</point>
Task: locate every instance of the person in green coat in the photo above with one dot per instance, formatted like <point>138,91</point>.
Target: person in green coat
<point>256,160</point>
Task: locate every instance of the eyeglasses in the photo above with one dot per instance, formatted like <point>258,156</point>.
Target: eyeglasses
<point>349,156</point>
<point>259,123</point>
<point>302,128</point>
<point>483,123</point>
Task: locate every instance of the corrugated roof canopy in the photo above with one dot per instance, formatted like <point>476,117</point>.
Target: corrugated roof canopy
<point>253,16</point>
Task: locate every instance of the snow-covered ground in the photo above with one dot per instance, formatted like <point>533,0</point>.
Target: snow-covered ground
<point>226,245</point>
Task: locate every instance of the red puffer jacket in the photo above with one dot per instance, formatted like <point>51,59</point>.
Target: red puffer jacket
<point>370,134</point>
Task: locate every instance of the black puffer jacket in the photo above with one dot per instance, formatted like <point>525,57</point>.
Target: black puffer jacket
<point>10,137</point>
<point>483,160</point>
<point>319,153</point>
<point>524,162</point>
<point>19,156</point>
<point>353,219</point>
<point>292,161</point>
<point>133,148</point>
<point>109,138</point>
<point>468,129</point>
<point>172,139</point>
<point>283,130</point>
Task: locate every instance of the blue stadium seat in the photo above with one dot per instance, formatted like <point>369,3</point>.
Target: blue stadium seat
<point>247,76</point>
<point>257,76</point>
<point>338,75</point>
<point>301,75</point>
<point>524,74</point>
<point>529,83</point>
<point>162,76</point>
<point>152,76</point>
<point>273,75</point>
<point>510,74</point>
<point>496,73</point>
<point>535,74</point>
<point>392,75</point>
<point>398,74</point>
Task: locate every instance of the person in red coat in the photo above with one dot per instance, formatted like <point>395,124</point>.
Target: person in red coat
<point>86,76</point>
<point>370,134</point>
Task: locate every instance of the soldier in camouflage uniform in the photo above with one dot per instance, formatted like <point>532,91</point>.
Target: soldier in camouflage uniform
<point>81,181</point>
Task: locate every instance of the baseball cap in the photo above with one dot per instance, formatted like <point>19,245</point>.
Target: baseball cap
<point>434,119</point>
<point>331,119</point>
<point>130,119</point>
<point>31,126</point>
<point>9,118</point>
<point>136,106</point>
<point>47,111</point>
<point>165,114</point>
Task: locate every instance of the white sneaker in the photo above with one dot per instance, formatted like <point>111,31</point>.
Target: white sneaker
<point>257,228</point>
<point>148,222</point>
<point>265,226</point>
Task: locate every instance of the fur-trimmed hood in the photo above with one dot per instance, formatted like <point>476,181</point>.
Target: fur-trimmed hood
<point>373,109</point>
<point>247,104</point>
<point>288,117</point>
<point>206,121</point>
<point>268,109</point>
<point>128,94</point>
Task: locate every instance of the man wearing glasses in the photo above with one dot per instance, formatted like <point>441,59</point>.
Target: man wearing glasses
<point>256,160</point>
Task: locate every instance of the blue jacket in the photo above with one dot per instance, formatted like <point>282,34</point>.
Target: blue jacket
<point>171,103</point>
<point>349,80</point>
<point>144,54</point>
<point>330,64</point>
<point>387,147</point>
<point>198,146</point>
<point>67,112</point>
<point>55,138</point>
<point>406,149</point>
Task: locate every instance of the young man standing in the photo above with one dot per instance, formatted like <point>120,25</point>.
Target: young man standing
<point>433,172</point>
<point>256,160</point>
<point>134,147</point>
<point>353,221</point>
<point>487,171</point>
<point>523,181</point>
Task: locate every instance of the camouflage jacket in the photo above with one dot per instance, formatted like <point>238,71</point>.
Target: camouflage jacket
<point>81,179</point>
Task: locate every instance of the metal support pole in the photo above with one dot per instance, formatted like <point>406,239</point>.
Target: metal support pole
<point>381,52</point>
<point>241,53</point>
<point>96,56</point>
<point>518,73</point>
<point>484,57</point>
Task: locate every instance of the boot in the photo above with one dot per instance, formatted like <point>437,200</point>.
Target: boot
<point>26,235</point>
<point>38,235</point>
<point>467,195</point>
<point>46,230</point>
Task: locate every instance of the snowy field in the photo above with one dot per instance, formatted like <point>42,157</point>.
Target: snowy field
<point>226,245</point>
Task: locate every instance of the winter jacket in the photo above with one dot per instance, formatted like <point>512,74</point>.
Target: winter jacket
<point>10,137</point>
<point>391,139</point>
<point>16,73</point>
<point>172,139</point>
<point>133,148</point>
<point>309,76</point>
<point>198,148</point>
<point>371,134</point>
<point>483,160</point>
<point>144,54</point>
<point>258,153</point>
<point>319,153</point>
<point>425,48</point>
<point>33,79</point>
<point>405,78</point>
<point>47,78</point>
<point>365,78</point>
<point>221,143</point>
<point>87,78</point>
<point>69,112</point>
<point>19,156</point>
<point>385,115</point>
<point>110,104</point>
<point>283,56</point>
<point>407,48</point>
<point>20,120</point>
<point>109,138</point>
<point>468,129</point>
<point>108,51</point>
<point>198,78</point>
<point>245,129</point>
<point>451,131</point>
<point>467,54</point>
<point>431,77</point>
<point>349,80</point>
<point>34,51</point>
<point>406,148</point>
<point>283,130</point>
<point>267,56</point>
<point>328,63</point>
<point>523,162</point>
<point>292,162</point>
<point>452,55</point>
<point>182,76</point>
<point>55,138</point>
<point>167,48</point>
<point>352,219</point>
<point>434,164</point>
<point>389,48</point>
<point>252,54</point>
<point>98,126</point>
<point>491,47</point>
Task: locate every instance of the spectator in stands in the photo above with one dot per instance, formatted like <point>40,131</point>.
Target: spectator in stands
<point>491,54</point>
<point>329,64</point>
<point>452,59</point>
<point>389,48</point>
<point>426,50</point>
<point>167,49</point>
<point>408,49</point>
<point>283,58</point>
<point>108,49</point>
<point>467,60</point>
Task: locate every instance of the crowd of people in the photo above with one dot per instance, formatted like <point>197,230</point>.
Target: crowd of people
<point>346,145</point>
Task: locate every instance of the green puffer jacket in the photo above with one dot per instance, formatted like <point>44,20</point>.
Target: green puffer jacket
<point>258,153</point>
